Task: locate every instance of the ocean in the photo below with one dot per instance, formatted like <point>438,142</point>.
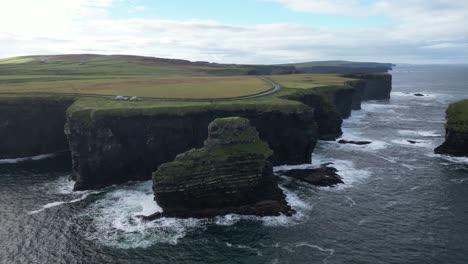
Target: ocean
<point>400,202</point>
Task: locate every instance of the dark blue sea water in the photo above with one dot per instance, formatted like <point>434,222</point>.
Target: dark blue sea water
<point>400,204</point>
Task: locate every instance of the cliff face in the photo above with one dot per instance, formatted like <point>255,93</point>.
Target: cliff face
<point>115,148</point>
<point>358,95</point>
<point>377,86</point>
<point>331,104</point>
<point>32,126</point>
<point>456,137</point>
<point>229,174</point>
<point>118,146</point>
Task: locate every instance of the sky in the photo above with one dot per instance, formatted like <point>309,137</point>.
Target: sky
<point>240,31</point>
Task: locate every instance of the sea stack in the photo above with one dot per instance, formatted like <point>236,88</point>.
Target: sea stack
<point>231,173</point>
<point>456,136</point>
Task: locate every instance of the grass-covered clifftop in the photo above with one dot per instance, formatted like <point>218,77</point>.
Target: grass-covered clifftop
<point>456,127</point>
<point>181,86</point>
<point>457,117</point>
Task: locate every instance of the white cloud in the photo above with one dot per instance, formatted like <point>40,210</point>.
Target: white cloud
<point>424,31</point>
<point>335,7</point>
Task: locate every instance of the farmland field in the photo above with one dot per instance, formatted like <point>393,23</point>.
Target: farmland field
<point>143,77</point>
<point>306,81</point>
<point>191,88</point>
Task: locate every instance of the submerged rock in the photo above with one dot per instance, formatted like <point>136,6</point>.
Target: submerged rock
<point>456,136</point>
<point>323,176</point>
<point>232,173</point>
<point>343,141</point>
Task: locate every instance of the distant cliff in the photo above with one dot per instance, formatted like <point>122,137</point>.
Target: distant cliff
<point>456,136</point>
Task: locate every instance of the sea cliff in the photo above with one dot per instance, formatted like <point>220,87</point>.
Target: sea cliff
<point>456,136</point>
<point>114,142</point>
<point>110,147</point>
<point>31,126</point>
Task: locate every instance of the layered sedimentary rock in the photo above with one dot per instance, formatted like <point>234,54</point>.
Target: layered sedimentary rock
<point>456,137</point>
<point>109,148</point>
<point>32,126</point>
<point>326,112</point>
<point>376,86</point>
<point>231,173</point>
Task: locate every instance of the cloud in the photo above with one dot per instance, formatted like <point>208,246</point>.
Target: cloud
<point>334,7</point>
<point>424,31</point>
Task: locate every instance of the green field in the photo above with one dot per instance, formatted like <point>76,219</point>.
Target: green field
<point>307,81</point>
<point>146,77</point>
<point>184,87</point>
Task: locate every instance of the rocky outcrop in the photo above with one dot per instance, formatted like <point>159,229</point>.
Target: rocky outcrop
<point>32,126</point>
<point>231,173</point>
<point>352,142</point>
<point>322,176</point>
<point>456,136</point>
<point>115,147</point>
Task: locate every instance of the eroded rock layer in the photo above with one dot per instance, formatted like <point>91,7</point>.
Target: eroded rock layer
<point>231,173</point>
<point>115,148</point>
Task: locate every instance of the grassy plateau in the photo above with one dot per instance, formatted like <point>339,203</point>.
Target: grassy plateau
<point>180,86</point>
<point>457,116</point>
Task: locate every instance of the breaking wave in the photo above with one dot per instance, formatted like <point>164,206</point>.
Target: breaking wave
<point>18,160</point>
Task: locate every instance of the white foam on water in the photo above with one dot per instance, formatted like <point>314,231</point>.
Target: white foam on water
<point>18,160</point>
<point>412,95</point>
<point>389,159</point>
<point>291,249</point>
<point>410,167</point>
<point>346,169</point>
<point>357,117</point>
<point>458,181</point>
<point>83,195</point>
<point>115,221</point>
<point>452,159</point>
<point>390,204</point>
<point>355,135</point>
<point>256,250</point>
<point>350,201</point>
<point>62,185</point>
<point>415,133</point>
<point>47,206</point>
<point>418,143</point>
<point>299,204</point>
<point>376,107</point>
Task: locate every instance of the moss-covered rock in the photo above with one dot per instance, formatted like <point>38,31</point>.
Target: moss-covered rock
<point>230,174</point>
<point>456,137</point>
